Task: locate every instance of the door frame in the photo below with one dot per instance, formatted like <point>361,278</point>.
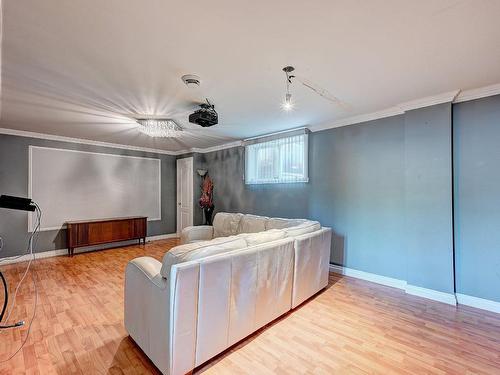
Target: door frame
<point>190,192</point>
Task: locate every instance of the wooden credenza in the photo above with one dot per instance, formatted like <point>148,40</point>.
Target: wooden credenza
<point>96,232</point>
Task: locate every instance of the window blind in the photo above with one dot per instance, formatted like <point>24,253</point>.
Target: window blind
<point>277,160</point>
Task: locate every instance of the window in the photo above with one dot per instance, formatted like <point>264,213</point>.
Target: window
<point>273,160</point>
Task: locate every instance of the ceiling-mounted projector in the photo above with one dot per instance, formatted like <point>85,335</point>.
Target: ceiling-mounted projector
<point>205,116</point>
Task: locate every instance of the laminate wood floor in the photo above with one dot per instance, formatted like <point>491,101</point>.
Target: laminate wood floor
<point>352,327</point>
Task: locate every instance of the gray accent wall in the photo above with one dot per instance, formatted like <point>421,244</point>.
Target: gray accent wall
<point>357,189</point>
<point>14,181</point>
<point>383,186</point>
<point>428,239</point>
<point>477,197</point>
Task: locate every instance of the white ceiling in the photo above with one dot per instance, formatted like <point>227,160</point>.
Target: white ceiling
<point>84,68</point>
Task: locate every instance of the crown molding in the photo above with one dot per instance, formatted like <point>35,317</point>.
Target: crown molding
<point>389,112</point>
<point>400,109</point>
<point>445,97</point>
<point>302,128</point>
<point>479,93</point>
<point>60,138</point>
<point>215,148</point>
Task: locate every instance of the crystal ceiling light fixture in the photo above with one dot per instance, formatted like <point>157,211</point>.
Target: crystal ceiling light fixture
<point>159,128</point>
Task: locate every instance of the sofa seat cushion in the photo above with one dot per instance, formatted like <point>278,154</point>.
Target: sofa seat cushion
<point>198,250</point>
<point>307,227</point>
<point>252,224</point>
<point>279,223</point>
<point>226,224</point>
<point>262,237</point>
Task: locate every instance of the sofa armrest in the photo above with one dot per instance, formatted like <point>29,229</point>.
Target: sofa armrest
<point>148,267</point>
<point>197,233</point>
<point>146,318</point>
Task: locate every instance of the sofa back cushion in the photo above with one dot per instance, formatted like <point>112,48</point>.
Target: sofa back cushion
<point>307,227</point>
<point>226,224</point>
<point>279,223</point>
<point>262,237</point>
<point>252,224</point>
<point>198,250</point>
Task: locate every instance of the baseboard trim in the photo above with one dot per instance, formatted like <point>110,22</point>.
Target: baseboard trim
<point>40,255</point>
<point>162,237</point>
<point>59,252</point>
<point>448,298</point>
<point>478,303</point>
<point>434,295</point>
<point>374,278</point>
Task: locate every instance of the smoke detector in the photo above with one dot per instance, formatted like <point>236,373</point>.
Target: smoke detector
<point>191,80</point>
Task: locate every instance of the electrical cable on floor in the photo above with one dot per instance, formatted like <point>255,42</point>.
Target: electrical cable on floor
<point>35,231</point>
<point>29,326</point>
<point>32,238</point>
<point>6,296</point>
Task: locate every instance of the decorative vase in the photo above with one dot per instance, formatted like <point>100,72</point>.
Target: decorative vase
<point>208,215</point>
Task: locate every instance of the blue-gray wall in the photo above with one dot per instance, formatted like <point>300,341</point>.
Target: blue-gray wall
<point>477,197</point>
<point>428,239</point>
<point>357,188</point>
<point>14,181</point>
<point>385,187</point>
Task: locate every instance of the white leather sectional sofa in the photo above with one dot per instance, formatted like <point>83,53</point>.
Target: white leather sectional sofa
<point>222,284</point>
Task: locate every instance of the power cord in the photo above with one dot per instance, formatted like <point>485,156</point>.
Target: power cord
<point>6,295</point>
<point>31,242</point>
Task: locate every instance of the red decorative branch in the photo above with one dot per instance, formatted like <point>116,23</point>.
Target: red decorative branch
<point>207,190</point>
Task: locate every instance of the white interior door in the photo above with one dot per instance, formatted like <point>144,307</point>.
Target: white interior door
<point>184,193</point>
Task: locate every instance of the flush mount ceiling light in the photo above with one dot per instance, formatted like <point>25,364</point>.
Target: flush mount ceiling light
<point>159,128</point>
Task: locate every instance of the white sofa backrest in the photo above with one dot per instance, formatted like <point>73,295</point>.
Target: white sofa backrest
<point>307,227</point>
<point>229,224</point>
<point>279,223</point>
<point>252,224</point>
<point>254,239</point>
<point>197,250</point>
<point>219,300</point>
<point>226,224</point>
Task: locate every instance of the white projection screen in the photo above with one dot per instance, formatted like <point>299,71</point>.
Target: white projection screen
<point>76,185</point>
